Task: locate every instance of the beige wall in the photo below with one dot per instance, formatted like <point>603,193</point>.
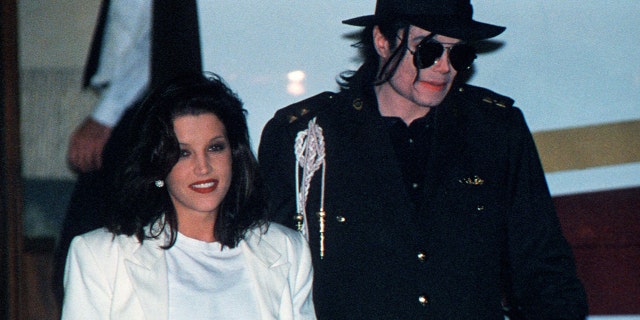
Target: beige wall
<point>54,37</point>
<point>590,146</point>
<point>55,33</point>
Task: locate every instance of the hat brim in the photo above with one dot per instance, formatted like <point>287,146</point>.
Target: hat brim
<point>468,30</point>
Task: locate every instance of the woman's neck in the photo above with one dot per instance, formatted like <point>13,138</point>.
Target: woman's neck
<point>197,226</point>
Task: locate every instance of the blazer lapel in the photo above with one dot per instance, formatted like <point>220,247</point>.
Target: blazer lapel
<point>269,269</point>
<point>148,272</point>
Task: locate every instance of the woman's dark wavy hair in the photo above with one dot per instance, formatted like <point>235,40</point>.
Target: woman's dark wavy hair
<point>138,204</point>
<point>370,73</point>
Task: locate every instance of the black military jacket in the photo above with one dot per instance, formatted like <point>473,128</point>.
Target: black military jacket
<point>486,229</point>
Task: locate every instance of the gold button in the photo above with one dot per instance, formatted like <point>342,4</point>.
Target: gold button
<point>422,256</point>
<point>341,219</point>
<point>423,299</point>
<point>357,104</point>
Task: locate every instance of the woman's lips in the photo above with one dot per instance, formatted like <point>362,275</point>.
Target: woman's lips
<point>204,186</point>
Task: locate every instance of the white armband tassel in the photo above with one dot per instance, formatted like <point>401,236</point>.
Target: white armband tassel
<point>310,156</point>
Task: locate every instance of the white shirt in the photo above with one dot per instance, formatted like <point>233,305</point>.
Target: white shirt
<point>208,283</point>
<point>125,65</point>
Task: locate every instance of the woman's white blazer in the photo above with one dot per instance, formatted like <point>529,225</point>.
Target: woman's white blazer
<point>117,278</point>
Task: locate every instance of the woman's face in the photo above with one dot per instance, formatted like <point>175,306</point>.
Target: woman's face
<point>200,179</point>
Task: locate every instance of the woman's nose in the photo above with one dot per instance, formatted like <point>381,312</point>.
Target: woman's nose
<point>203,165</point>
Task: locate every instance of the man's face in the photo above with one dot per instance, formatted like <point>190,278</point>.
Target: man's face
<point>424,87</point>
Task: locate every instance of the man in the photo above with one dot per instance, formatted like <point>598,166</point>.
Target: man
<point>422,197</point>
<point>119,55</point>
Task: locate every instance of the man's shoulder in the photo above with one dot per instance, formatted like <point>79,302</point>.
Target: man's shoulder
<point>305,110</point>
<point>483,97</point>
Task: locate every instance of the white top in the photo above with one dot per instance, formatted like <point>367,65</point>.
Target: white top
<point>208,283</point>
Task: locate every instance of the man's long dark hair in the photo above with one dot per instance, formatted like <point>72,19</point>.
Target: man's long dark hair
<point>370,73</point>
<point>138,207</point>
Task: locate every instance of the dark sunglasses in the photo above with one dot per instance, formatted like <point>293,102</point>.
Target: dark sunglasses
<point>429,51</point>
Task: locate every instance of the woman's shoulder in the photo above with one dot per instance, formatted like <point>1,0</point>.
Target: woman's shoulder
<point>275,241</point>
<point>95,238</point>
<point>277,235</point>
<point>103,241</point>
<point>277,230</point>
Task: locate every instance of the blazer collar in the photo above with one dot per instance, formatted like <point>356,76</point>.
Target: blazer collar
<point>269,270</point>
<point>148,271</point>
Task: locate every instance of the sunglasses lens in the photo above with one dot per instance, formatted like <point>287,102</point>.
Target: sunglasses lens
<point>462,56</point>
<point>426,54</point>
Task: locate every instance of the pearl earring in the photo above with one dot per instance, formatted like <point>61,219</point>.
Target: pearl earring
<point>159,183</point>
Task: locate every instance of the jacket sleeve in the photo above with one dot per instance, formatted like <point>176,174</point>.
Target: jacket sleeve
<point>543,281</point>
<point>125,64</point>
<point>88,292</point>
<point>277,164</point>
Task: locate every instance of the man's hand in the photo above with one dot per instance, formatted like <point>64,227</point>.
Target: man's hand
<point>86,145</point>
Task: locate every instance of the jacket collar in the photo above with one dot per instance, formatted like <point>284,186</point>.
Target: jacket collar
<point>448,140</point>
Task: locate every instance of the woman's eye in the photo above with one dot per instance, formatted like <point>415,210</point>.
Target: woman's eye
<point>217,147</point>
<point>184,153</point>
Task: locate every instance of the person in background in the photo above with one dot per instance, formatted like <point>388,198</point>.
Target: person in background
<point>137,44</point>
<point>422,197</point>
<point>188,236</point>
<point>120,51</point>
<point>118,69</point>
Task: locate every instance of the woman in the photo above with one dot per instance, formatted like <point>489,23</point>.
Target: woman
<point>189,237</point>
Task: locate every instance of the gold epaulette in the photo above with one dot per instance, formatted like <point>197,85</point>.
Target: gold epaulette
<point>307,108</point>
<point>297,113</point>
<point>499,103</point>
<point>487,96</point>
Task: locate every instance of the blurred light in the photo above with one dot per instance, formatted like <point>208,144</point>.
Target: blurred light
<point>296,76</point>
<point>295,86</point>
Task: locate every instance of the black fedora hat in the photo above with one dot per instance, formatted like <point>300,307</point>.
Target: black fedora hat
<point>451,18</point>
